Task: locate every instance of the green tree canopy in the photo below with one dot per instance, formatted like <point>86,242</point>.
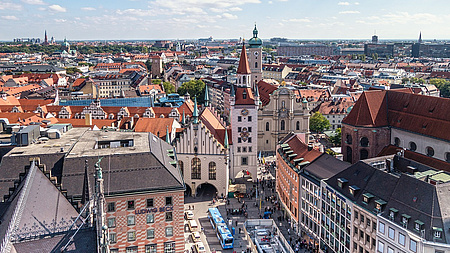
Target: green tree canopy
<point>443,86</point>
<point>168,87</point>
<point>336,139</point>
<point>318,123</point>
<point>196,88</point>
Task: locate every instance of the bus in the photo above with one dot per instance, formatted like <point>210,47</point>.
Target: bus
<point>220,227</point>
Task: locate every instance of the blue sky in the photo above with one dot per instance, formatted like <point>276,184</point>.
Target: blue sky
<point>190,19</point>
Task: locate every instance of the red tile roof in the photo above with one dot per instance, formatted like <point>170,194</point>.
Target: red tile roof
<point>370,110</point>
<point>243,63</point>
<point>301,149</point>
<point>248,100</point>
<point>265,89</point>
<point>156,126</point>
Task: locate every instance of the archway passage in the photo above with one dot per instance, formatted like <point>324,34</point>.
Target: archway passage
<point>206,191</point>
<point>243,176</point>
<point>188,191</point>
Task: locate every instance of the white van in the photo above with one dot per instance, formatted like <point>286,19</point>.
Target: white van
<point>195,236</point>
<point>193,227</point>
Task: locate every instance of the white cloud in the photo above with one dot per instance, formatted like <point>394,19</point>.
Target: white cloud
<point>229,16</point>
<point>298,20</point>
<point>10,17</point>
<point>34,2</point>
<point>10,6</point>
<point>404,18</point>
<point>356,3</point>
<point>136,12</point>
<point>344,3</point>
<point>235,9</point>
<point>186,7</point>
<point>283,0</point>
<point>88,9</point>
<point>270,2</point>
<point>60,20</point>
<point>349,12</point>
<point>57,8</point>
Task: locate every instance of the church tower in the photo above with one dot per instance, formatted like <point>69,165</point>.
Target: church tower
<point>255,57</point>
<point>244,122</point>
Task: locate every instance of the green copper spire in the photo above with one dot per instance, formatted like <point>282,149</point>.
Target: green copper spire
<point>183,120</point>
<point>206,95</point>
<point>226,139</point>
<point>167,135</point>
<point>195,114</point>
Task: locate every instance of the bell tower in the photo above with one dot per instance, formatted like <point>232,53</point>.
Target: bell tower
<point>255,57</point>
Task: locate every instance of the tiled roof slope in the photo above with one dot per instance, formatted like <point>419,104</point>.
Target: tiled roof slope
<point>243,63</point>
<point>240,100</point>
<point>370,110</point>
<point>265,89</point>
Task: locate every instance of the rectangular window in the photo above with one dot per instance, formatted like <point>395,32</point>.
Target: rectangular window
<point>169,231</point>
<point>149,202</point>
<point>150,248</point>
<point>391,233</point>
<point>244,161</point>
<point>380,247</point>
<point>112,237</point>
<point>249,118</point>
<point>244,149</point>
<point>131,236</point>
<point>239,149</point>
<point>239,118</point>
<point>111,206</point>
<point>133,249</point>
<point>168,201</point>
<point>356,215</point>
<point>413,245</point>
<point>249,139</point>
<point>150,218</point>
<point>381,227</point>
<point>362,219</point>
<point>249,149</point>
<point>355,230</point>
<point>250,129</point>
<point>401,239</point>
<point>239,129</point>
<point>130,220</point>
<point>130,204</point>
<point>390,250</point>
<point>112,222</point>
<point>239,140</point>
<point>361,234</point>
<point>151,233</point>
<point>169,247</point>
<point>374,226</point>
<point>169,216</point>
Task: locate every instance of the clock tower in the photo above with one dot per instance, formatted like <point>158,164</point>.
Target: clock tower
<point>255,57</point>
<point>244,103</point>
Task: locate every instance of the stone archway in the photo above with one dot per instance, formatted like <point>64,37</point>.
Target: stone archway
<point>188,191</point>
<point>206,191</point>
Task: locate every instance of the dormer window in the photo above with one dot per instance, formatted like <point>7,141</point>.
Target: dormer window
<point>437,232</point>
<point>244,95</point>
<point>341,182</point>
<point>405,219</point>
<point>366,197</point>
<point>379,204</point>
<point>353,189</point>
<point>418,225</point>
<point>392,213</point>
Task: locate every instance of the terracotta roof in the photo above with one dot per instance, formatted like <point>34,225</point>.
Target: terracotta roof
<point>341,106</point>
<point>243,63</point>
<point>301,149</point>
<point>156,126</point>
<point>35,102</point>
<point>370,110</point>
<point>214,125</point>
<point>240,100</point>
<point>79,82</point>
<point>100,123</point>
<point>265,89</point>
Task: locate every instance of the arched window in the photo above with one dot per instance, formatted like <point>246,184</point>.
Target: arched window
<point>430,151</point>
<point>267,126</point>
<point>181,166</point>
<point>244,80</point>
<point>297,125</point>
<point>363,154</point>
<point>397,141</point>
<point>447,157</point>
<point>364,142</point>
<point>196,168</point>
<point>283,126</point>
<point>283,104</point>
<point>349,154</point>
<point>212,171</point>
<point>256,64</point>
<point>412,146</point>
<point>348,139</point>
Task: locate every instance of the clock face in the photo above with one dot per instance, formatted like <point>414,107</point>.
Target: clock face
<point>256,53</point>
<point>244,112</point>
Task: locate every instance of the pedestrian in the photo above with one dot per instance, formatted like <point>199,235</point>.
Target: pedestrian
<point>289,231</point>
<point>192,207</point>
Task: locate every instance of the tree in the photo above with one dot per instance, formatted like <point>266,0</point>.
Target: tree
<point>72,70</point>
<point>196,88</point>
<point>318,123</point>
<point>443,86</point>
<point>168,87</point>
<point>336,138</point>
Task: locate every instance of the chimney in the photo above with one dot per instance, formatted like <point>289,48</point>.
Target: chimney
<point>88,119</point>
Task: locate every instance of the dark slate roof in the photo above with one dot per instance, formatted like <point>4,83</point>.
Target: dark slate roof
<point>325,166</point>
<point>40,68</point>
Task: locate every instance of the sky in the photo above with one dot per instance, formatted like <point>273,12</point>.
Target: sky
<point>223,19</point>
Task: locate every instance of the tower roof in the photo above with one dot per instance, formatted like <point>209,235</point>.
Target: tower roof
<point>243,63</point>
<point>255,42</point>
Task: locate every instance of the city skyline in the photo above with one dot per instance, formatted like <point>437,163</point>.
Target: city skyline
<point>232,19</point>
